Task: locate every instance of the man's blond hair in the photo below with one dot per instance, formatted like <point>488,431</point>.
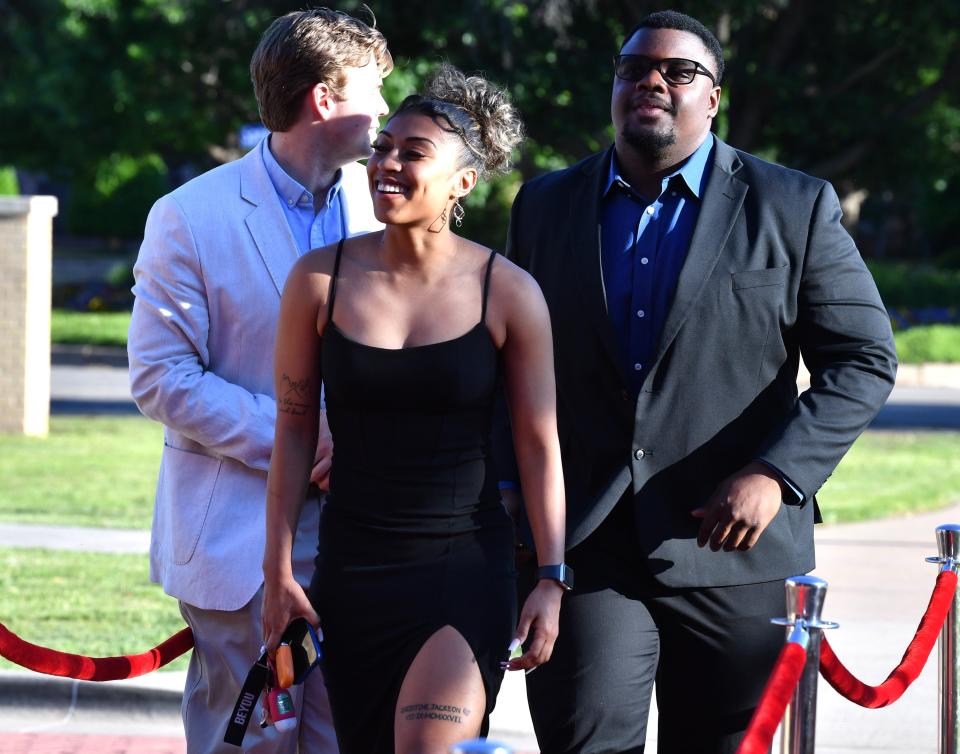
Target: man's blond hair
<point>305,48</point>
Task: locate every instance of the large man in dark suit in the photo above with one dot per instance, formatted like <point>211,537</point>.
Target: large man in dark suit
<point>685,280</point>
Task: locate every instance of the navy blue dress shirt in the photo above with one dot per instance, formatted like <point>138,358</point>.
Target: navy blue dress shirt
<point>644,242</point>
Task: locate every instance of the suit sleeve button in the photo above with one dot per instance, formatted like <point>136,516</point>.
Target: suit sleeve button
<point>639,453</point>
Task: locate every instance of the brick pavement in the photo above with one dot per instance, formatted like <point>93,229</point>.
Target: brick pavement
<point>61,743</point>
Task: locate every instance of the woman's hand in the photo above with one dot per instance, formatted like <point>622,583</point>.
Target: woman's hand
<point>541,614</point>
<point>283,601</point>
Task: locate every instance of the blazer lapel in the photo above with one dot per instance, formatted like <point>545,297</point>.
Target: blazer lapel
<point>585,262</point>
<point>266,222</point>
<point>721,205</point>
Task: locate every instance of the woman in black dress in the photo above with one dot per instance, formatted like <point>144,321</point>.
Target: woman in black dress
<point>408,329</point>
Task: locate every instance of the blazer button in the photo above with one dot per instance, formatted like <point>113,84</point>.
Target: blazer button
<point>639,453</point>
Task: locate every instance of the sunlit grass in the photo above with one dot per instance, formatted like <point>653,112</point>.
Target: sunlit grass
<point>93,604</point>
<point>89,471</point>
<point>89,328</point>
<point>101,471</point>
<point>888,473</point>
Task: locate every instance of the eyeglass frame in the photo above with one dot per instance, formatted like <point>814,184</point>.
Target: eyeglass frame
<point>657,65</point>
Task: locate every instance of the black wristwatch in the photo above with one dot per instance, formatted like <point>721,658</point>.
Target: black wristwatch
<point>562,574</point>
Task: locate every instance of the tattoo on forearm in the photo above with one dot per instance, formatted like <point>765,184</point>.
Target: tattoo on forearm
<point>431,711</point>
<point>294,396</point>
<point>294,387</point>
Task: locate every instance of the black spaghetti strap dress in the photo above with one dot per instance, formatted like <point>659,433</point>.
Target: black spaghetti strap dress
<point>413,536</point>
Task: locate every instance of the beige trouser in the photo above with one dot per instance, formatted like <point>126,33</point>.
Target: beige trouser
<point>227,643</point>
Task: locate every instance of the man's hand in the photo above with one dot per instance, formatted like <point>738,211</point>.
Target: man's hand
<point>740,508</point>
<point>323,457</point>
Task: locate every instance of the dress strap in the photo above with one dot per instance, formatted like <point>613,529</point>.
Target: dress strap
<point>333,281</point>
<point>486,287</point>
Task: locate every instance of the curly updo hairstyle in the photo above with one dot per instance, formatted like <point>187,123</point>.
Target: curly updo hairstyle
<point>480,113</point>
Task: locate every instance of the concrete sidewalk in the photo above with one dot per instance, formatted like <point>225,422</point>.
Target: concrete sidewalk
<point>879,589</point>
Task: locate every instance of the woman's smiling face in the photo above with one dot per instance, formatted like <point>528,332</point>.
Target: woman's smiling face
<point>413,172</point>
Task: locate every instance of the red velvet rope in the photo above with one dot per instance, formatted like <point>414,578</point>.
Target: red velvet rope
<point>777,693</point>
<point>910,665</point>
<point>53,662</point>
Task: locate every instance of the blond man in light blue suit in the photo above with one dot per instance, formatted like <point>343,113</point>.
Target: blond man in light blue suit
<point>215,255</point>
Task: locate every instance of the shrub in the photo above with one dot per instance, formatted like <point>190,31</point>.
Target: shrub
<point>939,343</point>
<point>9,186</point>
<point>904,284</point>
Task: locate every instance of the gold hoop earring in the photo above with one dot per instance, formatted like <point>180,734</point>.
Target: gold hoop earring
<point>458,212</point>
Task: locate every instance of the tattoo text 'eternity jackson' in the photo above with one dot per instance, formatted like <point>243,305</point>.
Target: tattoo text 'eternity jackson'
<point>431,711</point>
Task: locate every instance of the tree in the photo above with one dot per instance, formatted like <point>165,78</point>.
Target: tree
<point>863,94</point>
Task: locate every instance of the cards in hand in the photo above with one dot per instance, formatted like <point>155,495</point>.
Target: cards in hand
<point>304,648</point>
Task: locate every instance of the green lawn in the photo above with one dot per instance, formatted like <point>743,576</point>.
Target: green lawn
<point>889,473</point>
<point>89,328</point>
<point>101,471</point>
<point>90,471</point>
<point>94,604</point>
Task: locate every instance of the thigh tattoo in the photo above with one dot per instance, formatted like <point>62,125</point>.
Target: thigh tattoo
<point>431,711</point>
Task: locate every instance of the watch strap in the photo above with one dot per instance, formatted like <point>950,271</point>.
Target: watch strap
<point>561,573</point>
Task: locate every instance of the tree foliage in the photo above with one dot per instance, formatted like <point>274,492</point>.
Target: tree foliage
<point>864,94</point>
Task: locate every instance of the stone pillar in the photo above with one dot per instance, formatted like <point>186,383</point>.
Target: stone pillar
<point>25,283</point>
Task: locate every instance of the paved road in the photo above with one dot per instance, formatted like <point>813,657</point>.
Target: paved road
<point>102,388</point>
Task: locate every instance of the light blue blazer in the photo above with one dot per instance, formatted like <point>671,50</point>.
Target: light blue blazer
<point>215,255</point>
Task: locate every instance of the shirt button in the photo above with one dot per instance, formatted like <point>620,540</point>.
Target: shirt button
<point>290,202</point>
<point>673,193</point>
<point>639,453</point>
<point>649,210</point>
<point>637,367</point>
<point>641,313</point>
<point>644,260</point>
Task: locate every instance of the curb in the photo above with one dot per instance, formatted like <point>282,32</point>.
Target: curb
<point>156,696</point>
<point>24,689</point>
<point>931,374</point>
<point>68,354</point>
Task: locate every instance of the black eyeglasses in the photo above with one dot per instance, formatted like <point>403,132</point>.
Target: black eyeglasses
<point>676,71</point>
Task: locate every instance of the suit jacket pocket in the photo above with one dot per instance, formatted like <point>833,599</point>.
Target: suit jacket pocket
<point>188,483</point>
<point>760,278</point>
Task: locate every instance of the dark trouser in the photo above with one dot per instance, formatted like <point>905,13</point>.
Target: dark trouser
<point>710,651</point>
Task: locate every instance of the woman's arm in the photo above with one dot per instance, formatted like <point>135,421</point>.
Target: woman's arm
<point>297,379</point>
<point>531,396</point>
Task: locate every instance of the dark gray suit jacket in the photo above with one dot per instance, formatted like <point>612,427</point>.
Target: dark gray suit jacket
<point>770,275</point>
